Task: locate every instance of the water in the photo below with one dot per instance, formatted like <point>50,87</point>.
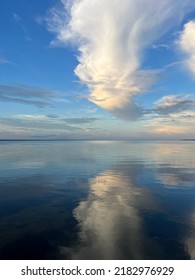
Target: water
<point>97,200</point>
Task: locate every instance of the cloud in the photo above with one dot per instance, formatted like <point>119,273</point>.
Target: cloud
<point>41,121</point>
<point>186,43</point>
<point>39,104</point>
<point>170,130</point>
<point>190,238</point>
<point>3,61</point>
<point>16,17</point>
<point>80,120</point>
<point>172,115</point>
<point>174,103</point>
<point>24,94</point>
<point>37,126</point>
<point>169,127</point>
<point>72,120</point>
<point>176,177</point>
<point>18,20</point>
<point>112,38</point>
<point>45,126</point>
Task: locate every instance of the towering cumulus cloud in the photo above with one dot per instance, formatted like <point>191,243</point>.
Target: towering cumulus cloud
<point>187,45</point>
<point>111,37</point>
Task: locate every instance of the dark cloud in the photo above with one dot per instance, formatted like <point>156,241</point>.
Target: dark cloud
<point>129,112</point>
<point>174,104</point>
<point>36,103</point>
<point>52,116</point>
<point>26,91</point>
<point>79,120</point>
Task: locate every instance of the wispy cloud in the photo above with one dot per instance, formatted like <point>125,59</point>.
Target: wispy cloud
<point>18,20</point>
<point>56,119</point>
<point>81,120</point>
<point>112,37</point>
<point>174,103</point>
<point>36,103</point>
<point>37,122</point>
<point>3,61</point>
<point>16,17</point>
<point>24,94</point>
<point>47,126</point>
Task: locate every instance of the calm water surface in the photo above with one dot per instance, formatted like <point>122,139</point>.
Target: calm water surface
<point>97,200</point>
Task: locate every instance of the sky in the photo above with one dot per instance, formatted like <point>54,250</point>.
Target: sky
<point>101,69</point>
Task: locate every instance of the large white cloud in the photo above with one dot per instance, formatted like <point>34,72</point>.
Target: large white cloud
<point>187,44</point>
<point>112,36</point>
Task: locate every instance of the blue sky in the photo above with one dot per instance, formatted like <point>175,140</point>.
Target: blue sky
<point>97,69</point>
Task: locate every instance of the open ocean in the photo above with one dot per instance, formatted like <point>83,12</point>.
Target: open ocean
<point>97,200</point>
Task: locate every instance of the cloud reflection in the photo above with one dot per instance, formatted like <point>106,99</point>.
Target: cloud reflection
<point>175,177</point>
<point>109,219</point>
<point>190,240</point>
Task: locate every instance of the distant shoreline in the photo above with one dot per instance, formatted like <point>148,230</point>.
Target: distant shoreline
<point>187,139</point>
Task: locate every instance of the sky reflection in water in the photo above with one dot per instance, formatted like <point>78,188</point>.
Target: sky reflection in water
<point>97,200</point>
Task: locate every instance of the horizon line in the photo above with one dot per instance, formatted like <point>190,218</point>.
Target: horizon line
<point>98,139</point>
